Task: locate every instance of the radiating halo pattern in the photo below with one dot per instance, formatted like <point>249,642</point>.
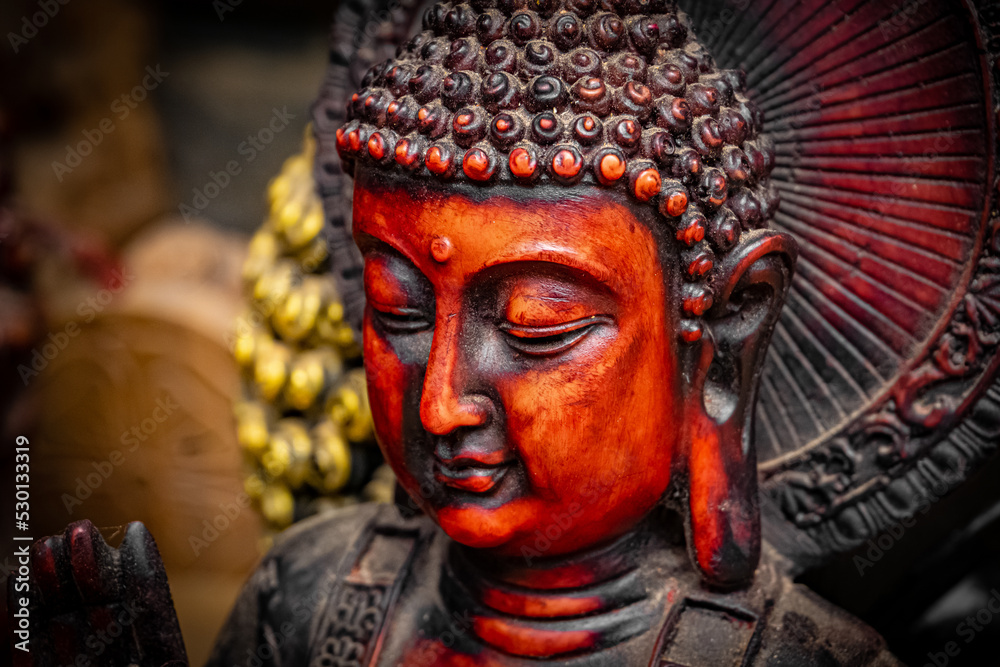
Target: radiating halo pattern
<point>878,112</point>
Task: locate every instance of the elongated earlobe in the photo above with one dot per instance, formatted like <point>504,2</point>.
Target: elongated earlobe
<point>719,461</point>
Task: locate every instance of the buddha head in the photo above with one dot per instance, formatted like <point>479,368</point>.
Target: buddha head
<point>562,207</point>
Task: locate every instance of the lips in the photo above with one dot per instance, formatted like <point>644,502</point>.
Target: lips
<point>468,474</point>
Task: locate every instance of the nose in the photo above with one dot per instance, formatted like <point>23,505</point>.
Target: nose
<point>444,407</point>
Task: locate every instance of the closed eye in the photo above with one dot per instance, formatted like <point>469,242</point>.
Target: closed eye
<point>550,340</point>
<point>401,320</point>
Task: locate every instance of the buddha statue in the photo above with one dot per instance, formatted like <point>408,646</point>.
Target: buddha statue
<point>570,284</point>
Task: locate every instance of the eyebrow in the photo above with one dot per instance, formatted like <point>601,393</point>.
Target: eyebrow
<point>599,274</point>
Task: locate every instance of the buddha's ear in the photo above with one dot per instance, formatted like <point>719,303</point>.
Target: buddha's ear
<point>751,283</point>
<point>722,372</point>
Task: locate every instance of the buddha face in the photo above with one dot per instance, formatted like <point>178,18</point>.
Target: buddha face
<point>520,370</point>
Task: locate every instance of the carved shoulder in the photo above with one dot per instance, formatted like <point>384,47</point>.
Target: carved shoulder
<point>806,629</point>
<point>273,617</point>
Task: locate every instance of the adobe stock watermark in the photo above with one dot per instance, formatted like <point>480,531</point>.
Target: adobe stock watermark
<point>58,341</point>
<point>724,18</point>
<point>244,327</point>
<point>878,546</point>
<point>20,620</point>
<point>223,7</point>
<point>101,640</point>
<point>30,25</point>
<point>213,528</point>
<point>901,18</point>
<point>262,309</point>
<point>431,653</point>
<point>133,437</point>
<point>369,32</point>
<point>302,611</point>
<point>967,630</point>
<point>249,148</point>
<point>121,108</point>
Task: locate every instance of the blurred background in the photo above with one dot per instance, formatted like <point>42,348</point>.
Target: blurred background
<point>138,140</point>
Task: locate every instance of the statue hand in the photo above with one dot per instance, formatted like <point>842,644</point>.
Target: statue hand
<point>95,605</point>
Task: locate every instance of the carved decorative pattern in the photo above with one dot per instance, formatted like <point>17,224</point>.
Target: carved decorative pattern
<point>886,144</point>
<point>358,614</point>
<point>357,611</point>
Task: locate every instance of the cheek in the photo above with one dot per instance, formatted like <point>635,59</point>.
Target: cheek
<point>387,377</point>
<point>607,419</point>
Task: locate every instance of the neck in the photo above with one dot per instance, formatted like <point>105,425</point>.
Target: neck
<point>543,607</point>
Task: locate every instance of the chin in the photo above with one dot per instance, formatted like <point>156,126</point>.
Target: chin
<point>482,528</point>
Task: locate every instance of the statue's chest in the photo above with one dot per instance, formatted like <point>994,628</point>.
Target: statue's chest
<point>411,626</point>
<point>386,608</point>
<point>396,601</point>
